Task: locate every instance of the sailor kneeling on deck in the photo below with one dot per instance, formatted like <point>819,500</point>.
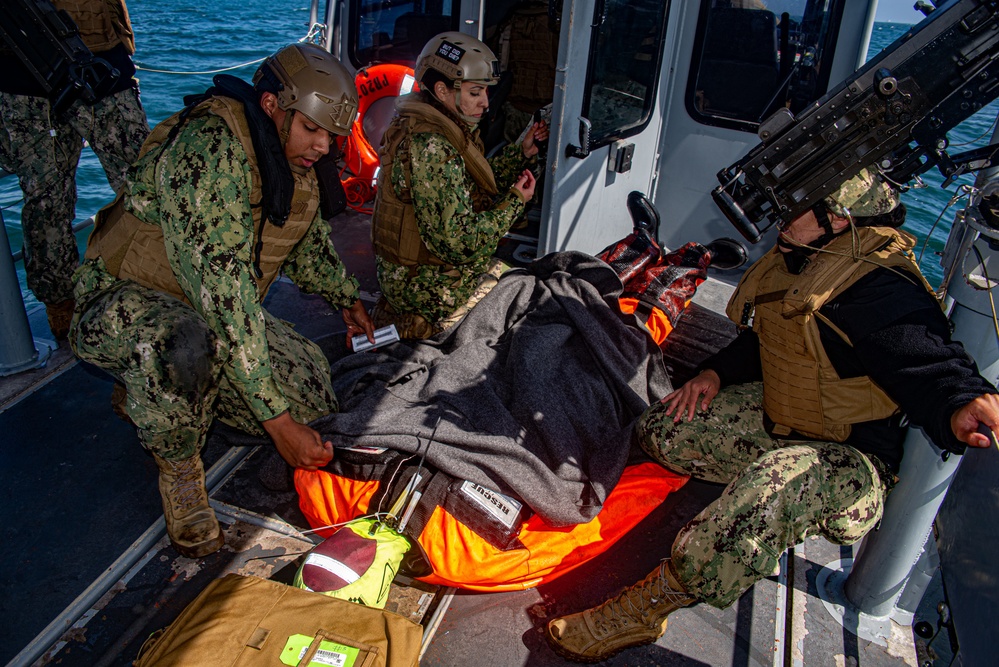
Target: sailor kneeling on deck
<point>802,415</point>
<point>222,199</point>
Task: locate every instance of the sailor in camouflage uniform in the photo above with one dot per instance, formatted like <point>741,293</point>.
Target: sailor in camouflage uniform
<point>43,149</point>
<point>801,415</point>
<point>169,296</point>
<point>441,207</point>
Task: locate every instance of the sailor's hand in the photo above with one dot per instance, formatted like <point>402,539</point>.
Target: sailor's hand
<point>298,444</point>
<point>538,132</point>
<point>966,422</point>
<point>525,185</point>
<point>358,321</point>
<point>700,389</point>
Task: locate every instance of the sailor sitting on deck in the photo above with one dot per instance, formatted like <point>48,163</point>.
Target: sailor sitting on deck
<point>169,297</point>
<point>802,415</point>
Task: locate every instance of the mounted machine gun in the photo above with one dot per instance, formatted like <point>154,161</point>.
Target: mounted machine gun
<point>893,115</point>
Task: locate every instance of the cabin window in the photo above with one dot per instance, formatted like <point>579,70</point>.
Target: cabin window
<point>753,57</point>
<point>387,31</point>
<point>624,67</point>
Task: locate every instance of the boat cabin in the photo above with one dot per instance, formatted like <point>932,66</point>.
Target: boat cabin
<point>646,96</point>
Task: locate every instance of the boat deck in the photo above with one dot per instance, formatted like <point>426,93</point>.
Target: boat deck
<point>87,572</point>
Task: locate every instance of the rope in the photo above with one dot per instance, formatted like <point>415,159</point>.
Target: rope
<point>357,190</point>
<point>143,68</point>
<point>963,190</point>
<point>378,516</point>
<point>315,30</point>
<point>988,281</point>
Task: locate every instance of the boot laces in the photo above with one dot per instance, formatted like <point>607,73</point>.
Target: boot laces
<point>186,488</point>
<point>640,603</point>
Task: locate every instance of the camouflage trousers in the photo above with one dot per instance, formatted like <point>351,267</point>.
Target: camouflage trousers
<point>44,150</point>
<point>416,327</point>
<point>777,492</point>
<point>172,366</point>
<point>487,281</point>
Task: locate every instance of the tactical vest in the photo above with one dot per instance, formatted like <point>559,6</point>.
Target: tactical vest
<point>801,389</point>
<point>394,230</point>
<point>135,250</point>
<point>103,24</point>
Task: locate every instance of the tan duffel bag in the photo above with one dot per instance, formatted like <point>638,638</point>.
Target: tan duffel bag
<point>249,621</point>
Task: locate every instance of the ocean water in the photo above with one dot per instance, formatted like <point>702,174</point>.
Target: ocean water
<point>175,36</point>
<point>192,38</point>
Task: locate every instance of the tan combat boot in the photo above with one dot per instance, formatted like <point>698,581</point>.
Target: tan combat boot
<point>635,617</point>
<point>409,326</point>
<point>190,520</point>
<point>119,395</point>
<point>60,315</point>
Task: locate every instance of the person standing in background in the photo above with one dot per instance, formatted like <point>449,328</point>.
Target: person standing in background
<point>43,147</point>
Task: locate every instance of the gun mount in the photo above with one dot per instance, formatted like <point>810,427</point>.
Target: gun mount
<point>893,115</point>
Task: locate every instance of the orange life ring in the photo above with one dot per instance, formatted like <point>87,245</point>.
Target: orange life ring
<point>360,157</point>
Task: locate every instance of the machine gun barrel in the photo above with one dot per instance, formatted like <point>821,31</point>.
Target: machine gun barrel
<point>893,114</point>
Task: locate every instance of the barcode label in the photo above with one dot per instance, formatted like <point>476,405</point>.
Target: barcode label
<point>322,657</point>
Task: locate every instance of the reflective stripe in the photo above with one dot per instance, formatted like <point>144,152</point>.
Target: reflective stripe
<point>333,566</point>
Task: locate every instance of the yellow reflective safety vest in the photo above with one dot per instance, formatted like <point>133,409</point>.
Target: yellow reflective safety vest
<point>801,390</point>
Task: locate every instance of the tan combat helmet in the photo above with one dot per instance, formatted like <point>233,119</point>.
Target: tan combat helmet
<point>459,57</point>
<point>315,84</point>
<point>866,194</point>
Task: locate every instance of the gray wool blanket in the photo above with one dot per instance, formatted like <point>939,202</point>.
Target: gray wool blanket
<point>537,390</point>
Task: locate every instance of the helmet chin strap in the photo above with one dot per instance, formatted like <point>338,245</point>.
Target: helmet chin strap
<point>799,254</point>
<point>284,133</point>
<point>285,130</point>
<point>471,120</point>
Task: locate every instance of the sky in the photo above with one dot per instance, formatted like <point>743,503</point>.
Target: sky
<point>899,11</point>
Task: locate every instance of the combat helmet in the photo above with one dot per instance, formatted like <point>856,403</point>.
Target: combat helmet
<point>866,194</point>
<point>458,57</point>
<point>314,83</point>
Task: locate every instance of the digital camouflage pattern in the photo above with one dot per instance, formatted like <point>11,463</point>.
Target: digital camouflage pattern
<point>207,224</point>
<point>486,281</point>
<point>44,151</point>
<point>864,195</point>
<point>450,226</point>
<point>778,492</point>
<point>197,190</point>
<point>414,326</point>
<point>172,364</point>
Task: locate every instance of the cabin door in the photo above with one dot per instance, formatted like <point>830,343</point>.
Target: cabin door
<point>606,120</point>
<point>735,63</point>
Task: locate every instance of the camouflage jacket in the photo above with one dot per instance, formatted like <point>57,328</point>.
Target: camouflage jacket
<point>208,228</point>
<point>449,225</point>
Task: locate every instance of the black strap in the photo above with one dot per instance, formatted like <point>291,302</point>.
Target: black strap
<point>278,184</point>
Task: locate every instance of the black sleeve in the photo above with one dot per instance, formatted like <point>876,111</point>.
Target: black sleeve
<point>737,362</point>
<point>902,341</point>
